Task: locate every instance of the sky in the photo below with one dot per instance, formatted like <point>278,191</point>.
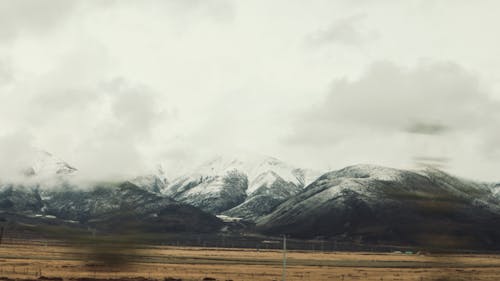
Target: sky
<point>117,87</point>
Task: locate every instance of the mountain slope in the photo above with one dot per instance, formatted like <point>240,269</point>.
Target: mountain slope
<point>154,182</point>
<point>213,194</point>
<point>271,191</point>
<point>45,165</point>
<point>246,187</point>
<point>378,204</point>
<point>20,199</point>
<point>120,207</point>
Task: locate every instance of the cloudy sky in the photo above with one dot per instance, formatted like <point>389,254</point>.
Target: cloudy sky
<point>115,87</point>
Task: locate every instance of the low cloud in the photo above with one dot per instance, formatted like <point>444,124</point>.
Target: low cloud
<point>104,130</point>
<point>129,115</point>
<point>16,153</point>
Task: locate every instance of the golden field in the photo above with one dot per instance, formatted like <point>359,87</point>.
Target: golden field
<point>30,260</point>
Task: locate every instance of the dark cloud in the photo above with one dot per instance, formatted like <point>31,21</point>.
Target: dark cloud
<point>427,128</point>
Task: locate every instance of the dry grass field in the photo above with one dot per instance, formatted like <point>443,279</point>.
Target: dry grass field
<point>24,260</point>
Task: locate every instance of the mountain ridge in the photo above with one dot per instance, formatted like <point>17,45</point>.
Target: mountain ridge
<point>381,204</point>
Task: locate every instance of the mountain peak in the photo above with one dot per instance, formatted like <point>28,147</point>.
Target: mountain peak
<point>46,164</point>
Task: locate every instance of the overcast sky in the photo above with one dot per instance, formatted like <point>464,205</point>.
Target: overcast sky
<point>115,87</point>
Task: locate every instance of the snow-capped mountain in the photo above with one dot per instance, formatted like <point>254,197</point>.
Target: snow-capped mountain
<point>362,202</point>
<point>118,205</point>
<point>213,194</point>
<point>382,204</point>
<point>46,165</point>
<point>243,187</point>
<point>35,167</point>
<point>109,207</point>
<point>271,191</point>
<point>247,187</point>
<point>496,190</point>
<point>17,198</point>
<point>154,182</point>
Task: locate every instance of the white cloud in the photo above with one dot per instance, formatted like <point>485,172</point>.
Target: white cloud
<point>26,17</point>
<point>16,157</point>
<point>400,114</point>
<point>388,98</point>
<point>127,84</point>
<point>346,30</point>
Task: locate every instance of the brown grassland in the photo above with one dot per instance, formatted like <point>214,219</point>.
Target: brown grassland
<point>30,260</point>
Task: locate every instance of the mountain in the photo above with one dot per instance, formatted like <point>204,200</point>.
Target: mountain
<point>109,207</point>
<point>361,204</point>
<point>375,204</point>
<point>496,190</point>
<point>22,199</point>
<point>213,194</point>
<point>271,191</point>
<point>47,193</point>
<point>125,206</point>
<point>154,182</point>
<point>245,187</point>
<point>45,165</point>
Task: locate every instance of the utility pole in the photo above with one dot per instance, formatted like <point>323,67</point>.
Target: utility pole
<point>283,277</point>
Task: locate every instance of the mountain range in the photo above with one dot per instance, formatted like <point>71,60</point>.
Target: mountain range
<point>362,203</point>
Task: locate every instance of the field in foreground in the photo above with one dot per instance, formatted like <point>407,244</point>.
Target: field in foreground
<point>33,260</point>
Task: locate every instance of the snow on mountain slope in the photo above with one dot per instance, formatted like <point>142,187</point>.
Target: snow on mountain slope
<point>37,168</point>
<point>259,175</point>
<point>381,203</point>
<point>154,182</point>
<point>47,165</point>
<point>253,166</point>
<point>111,206</point>
<point>213,194</point>
<point>496,190</point>
<point>270,191</point>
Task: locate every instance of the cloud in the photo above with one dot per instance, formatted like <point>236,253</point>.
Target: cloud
<point>25,16</point>
<point>218,75</point>
<point>219,10</point>
<point>84,119</point>
<point>432,111</point>
<point>128,115</point>
<point>16,154</point>
<point>6,73</point>
<point>427,128</point>
<point>431,98</point>
<point>345,31</point>
<point>134,107</point>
